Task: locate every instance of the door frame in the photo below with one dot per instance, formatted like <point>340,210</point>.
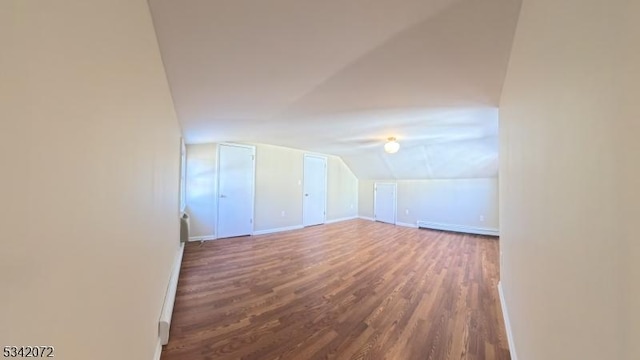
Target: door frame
<point>395,200</point>
<point>253,185</point>
<point>326,185</point>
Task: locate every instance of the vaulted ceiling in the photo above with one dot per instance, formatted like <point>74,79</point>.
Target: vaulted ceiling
<point>340,76</point>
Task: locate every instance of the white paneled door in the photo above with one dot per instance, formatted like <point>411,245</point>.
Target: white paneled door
<point>385,202</point>
<point>236,184</point>
<point>314,194</point>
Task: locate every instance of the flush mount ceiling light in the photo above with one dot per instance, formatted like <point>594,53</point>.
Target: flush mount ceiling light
<point>391,146</point>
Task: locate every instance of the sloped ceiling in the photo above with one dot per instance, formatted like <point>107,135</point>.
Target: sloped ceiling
<point>340,76</point>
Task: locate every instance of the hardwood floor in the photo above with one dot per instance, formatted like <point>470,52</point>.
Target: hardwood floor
<point>350,290</point>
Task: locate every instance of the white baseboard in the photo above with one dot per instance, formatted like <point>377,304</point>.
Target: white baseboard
<point>458,228</point>
<point>366,218</point>
<point>297,227</point>
<point>340,219</point>
<point>415,226</point>
<point>271,231</point>
<point>202,238</point>
<point>158,353</point>
<point>507,323</point>
<point>170,298</point>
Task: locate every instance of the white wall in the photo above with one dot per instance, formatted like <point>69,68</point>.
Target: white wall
<point>628,80</point>
<point>90,151</point>
<point>201,190</point>
<point>278,196</point>
<point>564,187</point>
<point>456,203</point>
<point>365,198</point>
<point>278,187</point>
<point>342,190</point>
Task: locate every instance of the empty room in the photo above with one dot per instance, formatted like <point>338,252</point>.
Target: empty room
<point>339,179</point>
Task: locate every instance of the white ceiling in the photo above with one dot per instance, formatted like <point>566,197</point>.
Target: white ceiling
<point>340,76</point>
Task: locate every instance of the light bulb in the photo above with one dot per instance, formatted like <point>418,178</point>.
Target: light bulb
<point>392,146</point>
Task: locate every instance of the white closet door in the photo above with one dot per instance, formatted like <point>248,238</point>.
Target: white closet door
<point>385,202</point>
<point>314,190</point>
<point>236,178</point>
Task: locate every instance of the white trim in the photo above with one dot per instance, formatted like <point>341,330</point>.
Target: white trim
<point>415,226</point>
<point>395,199</point>
<point>326,184</point>
<point>158,352</point>
<point>458,228</point>
<point>202,238</point>
<point>366,218</point>
<point>507,323</point>
<point>253,183</point>
<point>170,298</point>
<point>340,219</point>
<point>276,230</point>
<point>297,227</point>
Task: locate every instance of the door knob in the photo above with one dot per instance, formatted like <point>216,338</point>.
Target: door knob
<point>223,196</point>
<point>306,194</point>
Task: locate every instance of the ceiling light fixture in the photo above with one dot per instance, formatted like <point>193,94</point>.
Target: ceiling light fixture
<point>391,146</point>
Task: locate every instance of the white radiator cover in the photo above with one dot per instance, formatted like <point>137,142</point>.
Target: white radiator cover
<point>185,227</point>
<point>169,299</point>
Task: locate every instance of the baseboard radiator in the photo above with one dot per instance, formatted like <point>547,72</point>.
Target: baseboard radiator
<point>458,228</point>
<point>169,299</point>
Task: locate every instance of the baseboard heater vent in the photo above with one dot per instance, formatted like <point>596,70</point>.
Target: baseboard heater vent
<point>458,228</point>
<point>169,299</point>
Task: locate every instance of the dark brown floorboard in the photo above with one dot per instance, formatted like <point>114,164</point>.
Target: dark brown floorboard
<point>350,290</point>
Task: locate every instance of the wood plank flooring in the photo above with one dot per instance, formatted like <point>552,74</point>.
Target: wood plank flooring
<point>351,290</point>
